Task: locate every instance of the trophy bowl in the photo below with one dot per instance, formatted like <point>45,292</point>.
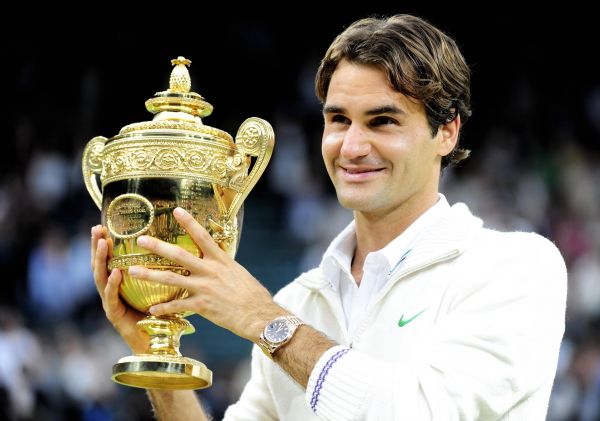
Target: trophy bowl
<point>137,178</point>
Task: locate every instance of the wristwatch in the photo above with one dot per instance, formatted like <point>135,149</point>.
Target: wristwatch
<point>277,333</point>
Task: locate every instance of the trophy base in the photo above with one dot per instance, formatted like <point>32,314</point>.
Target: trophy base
<point>161,372</point>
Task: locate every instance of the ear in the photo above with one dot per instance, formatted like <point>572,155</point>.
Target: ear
<point>447,136</point>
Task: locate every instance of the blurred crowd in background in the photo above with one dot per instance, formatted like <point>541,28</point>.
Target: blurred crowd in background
<point>534,167</point>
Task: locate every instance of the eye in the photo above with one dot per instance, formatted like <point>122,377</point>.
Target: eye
<point>339,118</point>
<point>382,120</point>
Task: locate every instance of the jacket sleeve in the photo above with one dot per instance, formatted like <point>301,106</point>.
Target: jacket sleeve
<point>255,403</point>
<point>495,348</point>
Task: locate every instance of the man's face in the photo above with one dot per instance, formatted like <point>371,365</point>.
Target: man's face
<point>377,145</point>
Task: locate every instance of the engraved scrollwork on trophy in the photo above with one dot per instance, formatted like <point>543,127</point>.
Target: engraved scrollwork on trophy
<point>198,161</point>
<point>219,166</point>
<point>140,158</point>
<point>255,138</point>
<point>249,137</point>
<point>153,261</point>
<point>224,232</point>
<point>116,163</point>
<point>91,165</point>
<point>237,168</point>
<point>96,147</point>
<point>166,160</point>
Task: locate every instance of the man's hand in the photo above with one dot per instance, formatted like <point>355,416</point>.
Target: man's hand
<point>220,289</point>
<point>122,317</point>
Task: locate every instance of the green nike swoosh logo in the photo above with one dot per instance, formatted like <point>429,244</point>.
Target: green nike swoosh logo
<point>403,322</point>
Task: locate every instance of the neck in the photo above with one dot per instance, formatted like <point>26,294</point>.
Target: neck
<point>374,231</point>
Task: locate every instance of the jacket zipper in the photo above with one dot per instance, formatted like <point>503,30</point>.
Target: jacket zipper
<point>391,284</point>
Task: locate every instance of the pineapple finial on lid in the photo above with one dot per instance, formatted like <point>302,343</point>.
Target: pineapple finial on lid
<point>180,80</point>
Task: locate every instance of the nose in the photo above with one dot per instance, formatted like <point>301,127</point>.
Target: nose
<point>355,143</point>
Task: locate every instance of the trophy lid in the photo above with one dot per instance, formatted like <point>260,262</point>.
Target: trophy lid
<point>178,108</point>
<point>178,97</point>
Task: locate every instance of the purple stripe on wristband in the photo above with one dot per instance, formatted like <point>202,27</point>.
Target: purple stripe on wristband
<point>323,374</point>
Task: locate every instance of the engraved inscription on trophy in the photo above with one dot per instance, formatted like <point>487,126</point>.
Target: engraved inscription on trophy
<point>129,215</point>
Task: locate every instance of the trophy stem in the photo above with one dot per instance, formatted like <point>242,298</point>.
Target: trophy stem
<point>162,366</point>
<point>165,333</point>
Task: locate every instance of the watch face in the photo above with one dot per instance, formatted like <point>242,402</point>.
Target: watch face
<point>277,331</point>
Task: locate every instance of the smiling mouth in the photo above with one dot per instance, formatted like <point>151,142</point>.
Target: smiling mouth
<point>359,175</point>
<point>360,170</point>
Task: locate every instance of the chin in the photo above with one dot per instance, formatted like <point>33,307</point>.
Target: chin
<point>362,204</point>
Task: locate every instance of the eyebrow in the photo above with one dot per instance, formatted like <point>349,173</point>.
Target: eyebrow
<point>384,109</point>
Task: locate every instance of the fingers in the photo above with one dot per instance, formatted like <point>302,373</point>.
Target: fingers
<point>110,243</point>
<point>96,235</point>
<point>170,307</point>
<point>170,251</point>
<point>165,277</point>
<point>111,291</point>
<point>99,265</point>
<point>99,232</point>
<point>196,231</point>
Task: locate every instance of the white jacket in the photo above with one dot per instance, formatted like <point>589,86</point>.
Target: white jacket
<point>489,309</point>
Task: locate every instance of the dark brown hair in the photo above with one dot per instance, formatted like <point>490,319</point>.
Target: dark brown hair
<point>420,62</point>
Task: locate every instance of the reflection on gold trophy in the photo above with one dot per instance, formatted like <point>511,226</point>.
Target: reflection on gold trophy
<point>145,172</point>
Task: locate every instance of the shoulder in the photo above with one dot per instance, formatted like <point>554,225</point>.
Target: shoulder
<point>488,244</point>
<point>502,269</point>
<point>523,256</point>
<point>521,245</point>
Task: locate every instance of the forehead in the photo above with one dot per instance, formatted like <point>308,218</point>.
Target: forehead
<point>355,85</point>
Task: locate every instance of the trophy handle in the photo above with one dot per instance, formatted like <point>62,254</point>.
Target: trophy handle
<point>91,165</point>
<point>255,138</point>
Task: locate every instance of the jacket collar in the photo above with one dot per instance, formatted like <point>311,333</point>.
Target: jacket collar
<point>446,239</point>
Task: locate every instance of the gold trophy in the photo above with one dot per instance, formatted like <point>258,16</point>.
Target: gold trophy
<point>145,172</point>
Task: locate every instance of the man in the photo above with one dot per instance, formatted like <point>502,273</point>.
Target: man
<point>416,312</point>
